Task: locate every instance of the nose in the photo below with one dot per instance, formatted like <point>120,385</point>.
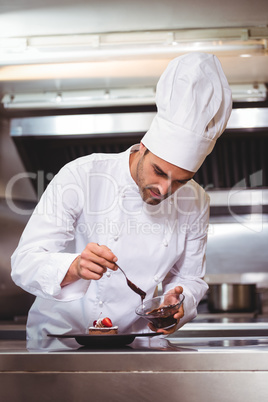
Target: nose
<point>165,186</point>
<point>168,187</point>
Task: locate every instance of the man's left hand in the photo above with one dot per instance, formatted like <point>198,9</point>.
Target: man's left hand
<point>177,316</point>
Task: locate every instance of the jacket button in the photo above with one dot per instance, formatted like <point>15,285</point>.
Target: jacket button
<point>156,278</point>
<point>100,303</point>
<point>165,243</point>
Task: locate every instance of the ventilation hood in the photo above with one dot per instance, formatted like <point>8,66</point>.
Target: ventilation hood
<point>46,143</point>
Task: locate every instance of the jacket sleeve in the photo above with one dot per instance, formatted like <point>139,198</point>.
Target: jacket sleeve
<point>45,250</point>
<point>189,270</point>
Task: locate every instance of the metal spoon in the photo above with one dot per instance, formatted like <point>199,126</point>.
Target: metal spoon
<point>132,286</point>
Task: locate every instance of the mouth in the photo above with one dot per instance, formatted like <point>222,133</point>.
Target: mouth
<point>155,195</point>
<point>152,196</point>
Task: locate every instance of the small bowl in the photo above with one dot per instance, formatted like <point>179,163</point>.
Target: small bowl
<point>161,309</point>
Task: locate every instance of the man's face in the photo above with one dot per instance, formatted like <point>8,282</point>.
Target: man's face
<point>158,179</point>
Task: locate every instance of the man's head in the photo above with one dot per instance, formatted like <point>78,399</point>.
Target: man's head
<point>194,103</point>
<point>156,178</point>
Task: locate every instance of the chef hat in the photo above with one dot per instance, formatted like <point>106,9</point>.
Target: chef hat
<point>194,103</point>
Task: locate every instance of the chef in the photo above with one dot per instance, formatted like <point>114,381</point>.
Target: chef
<point>140,208</point>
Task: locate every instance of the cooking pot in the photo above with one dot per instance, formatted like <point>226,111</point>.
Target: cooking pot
<point>229,297</point>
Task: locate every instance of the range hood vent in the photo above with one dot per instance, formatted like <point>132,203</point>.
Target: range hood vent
<point>46,143</point>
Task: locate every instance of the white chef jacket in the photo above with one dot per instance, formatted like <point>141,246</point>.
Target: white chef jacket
<point>95,199</point>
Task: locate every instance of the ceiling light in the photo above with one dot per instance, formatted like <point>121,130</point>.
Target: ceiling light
<point>249,92</point>
<point>112,97</point>
<point>85,98</point>
<point>125,45</point>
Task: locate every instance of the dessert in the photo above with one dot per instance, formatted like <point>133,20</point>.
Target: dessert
<point>103,326</point>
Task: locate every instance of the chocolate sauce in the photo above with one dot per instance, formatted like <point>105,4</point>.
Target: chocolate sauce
<point>163,317</point>
<point>133,286</point>
<point>163,322</point>
<point>163,310</point>
<point>136,290</point>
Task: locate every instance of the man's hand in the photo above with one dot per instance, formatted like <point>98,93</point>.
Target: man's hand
<point>91,264</point>
<point>177,316</point>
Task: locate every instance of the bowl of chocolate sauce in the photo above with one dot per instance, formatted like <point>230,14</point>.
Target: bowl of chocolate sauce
<point>160,310</point>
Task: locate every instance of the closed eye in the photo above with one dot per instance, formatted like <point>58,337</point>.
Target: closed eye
<point>159,172</point>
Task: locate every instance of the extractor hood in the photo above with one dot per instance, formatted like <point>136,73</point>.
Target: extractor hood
<point>46,143</point>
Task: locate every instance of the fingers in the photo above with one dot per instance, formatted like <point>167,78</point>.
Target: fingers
<point>152,328</point>
<point>99,255</point>
<point>177,289</point>
<point>162,330</point>
<point>169,331</point>
<point>171,297</point>
<point>180,313</point>
<point>95,260</point>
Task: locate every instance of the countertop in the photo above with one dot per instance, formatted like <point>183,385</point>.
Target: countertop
<point>241,334</point>
<point>194,364</point>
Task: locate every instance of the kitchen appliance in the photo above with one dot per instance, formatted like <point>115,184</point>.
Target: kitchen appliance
<point>46,143</point>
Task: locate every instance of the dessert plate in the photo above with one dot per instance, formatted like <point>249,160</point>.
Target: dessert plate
<point>109,341</point>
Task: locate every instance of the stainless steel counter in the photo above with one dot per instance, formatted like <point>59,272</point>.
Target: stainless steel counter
<point>194,364</point>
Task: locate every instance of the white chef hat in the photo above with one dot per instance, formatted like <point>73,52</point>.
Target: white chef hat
<point>194,103</point>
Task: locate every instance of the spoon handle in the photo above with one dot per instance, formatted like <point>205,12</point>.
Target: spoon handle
<point>121,270</point>
<point>132,285</point>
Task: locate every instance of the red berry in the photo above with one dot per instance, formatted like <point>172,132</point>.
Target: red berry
<point>94,323</point>
<point>107,322</point>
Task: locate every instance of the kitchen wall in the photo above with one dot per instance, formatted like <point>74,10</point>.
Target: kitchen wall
<point>11,168</point>
<point>14,301</point>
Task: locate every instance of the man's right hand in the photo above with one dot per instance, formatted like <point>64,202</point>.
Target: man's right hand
<point>91,264</point>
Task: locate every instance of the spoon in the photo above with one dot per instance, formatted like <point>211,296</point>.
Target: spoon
<point>132,285</point>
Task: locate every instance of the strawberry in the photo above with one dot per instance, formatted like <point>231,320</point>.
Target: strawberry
<point>107,322</point>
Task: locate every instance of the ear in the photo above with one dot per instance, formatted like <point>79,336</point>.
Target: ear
<point>142,148</point>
